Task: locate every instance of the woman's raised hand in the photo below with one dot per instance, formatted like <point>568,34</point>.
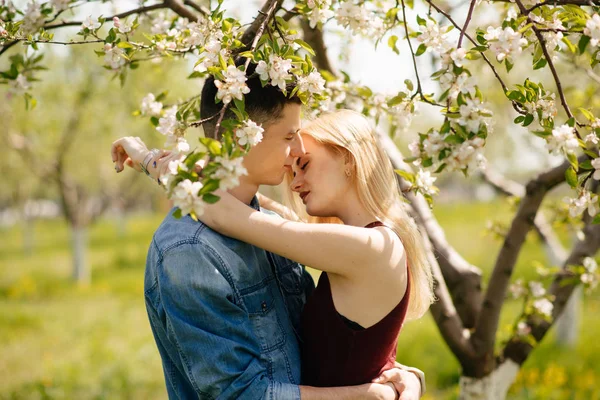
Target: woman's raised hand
<point>134,153</point>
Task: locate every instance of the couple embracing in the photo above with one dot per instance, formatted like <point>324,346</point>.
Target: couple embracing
<point>232,309</point>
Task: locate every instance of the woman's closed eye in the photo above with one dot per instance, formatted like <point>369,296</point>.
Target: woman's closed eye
<point>304,166</point>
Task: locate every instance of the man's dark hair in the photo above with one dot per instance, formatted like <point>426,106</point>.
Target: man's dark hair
<point>263,104</point>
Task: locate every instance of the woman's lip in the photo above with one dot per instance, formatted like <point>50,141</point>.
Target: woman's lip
<point>303,196</point>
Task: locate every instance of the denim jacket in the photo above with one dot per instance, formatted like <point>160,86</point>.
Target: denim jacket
<point>225,314</point>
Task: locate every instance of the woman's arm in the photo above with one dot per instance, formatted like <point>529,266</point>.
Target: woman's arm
<point>341,249</point>
<point>270,204</point>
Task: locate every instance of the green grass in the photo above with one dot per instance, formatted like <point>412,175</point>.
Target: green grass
<point>63,341</point>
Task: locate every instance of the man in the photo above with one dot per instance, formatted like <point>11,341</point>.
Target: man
<point>225,314</point>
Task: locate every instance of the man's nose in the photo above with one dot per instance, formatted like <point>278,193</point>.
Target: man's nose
<point>297,149</point>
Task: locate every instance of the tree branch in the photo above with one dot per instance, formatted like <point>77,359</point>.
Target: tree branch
<point>314,37</point>
<point>180,9</point>
<point>542,42</point>
<point>467,20</point>
<point>462,278</point>
<point>557,252</point>
<point>250,33</point>
<point>517,349</point>
<point>487,325</point>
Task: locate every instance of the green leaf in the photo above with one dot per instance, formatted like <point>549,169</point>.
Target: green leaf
<point>571,177</point>
<point>596,219</point>
<point>177,214</point>
<point>396,99</point>
<point>509,65</point>
<point>540,64</point>
<point>570,45</point>
<point>421,21</point>
<point>210,185</point>
<point>125,45</point>
<point>573,160</point>
<point>406,175</point>
<point>586,164</point>
<point>409,84</point>
<point>212,145</point>
<point>392,43</point>
<point>571,122</point>
<point>421,49</point>
<point>528,120</point>
<point>586,113</point>
<point>519,119</point>
<point>305,46</point>
<point>583,42</point>
<point>210,198</point>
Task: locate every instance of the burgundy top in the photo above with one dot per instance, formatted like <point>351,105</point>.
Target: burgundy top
<point>335,354</point>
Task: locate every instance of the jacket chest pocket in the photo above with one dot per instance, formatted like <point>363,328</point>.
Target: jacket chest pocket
<point>260,304</point>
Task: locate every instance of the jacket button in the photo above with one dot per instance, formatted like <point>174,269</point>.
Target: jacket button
<point>264,306</point>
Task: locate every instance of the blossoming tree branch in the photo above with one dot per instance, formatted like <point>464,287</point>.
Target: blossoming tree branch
<point>285,42</point>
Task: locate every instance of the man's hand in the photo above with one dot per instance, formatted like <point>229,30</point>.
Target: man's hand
<point>406,383</point>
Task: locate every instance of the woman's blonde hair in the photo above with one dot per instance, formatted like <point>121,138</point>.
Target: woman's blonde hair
<point>349,134</point>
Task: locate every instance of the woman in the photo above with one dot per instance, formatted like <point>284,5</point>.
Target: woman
<point>375,273</point>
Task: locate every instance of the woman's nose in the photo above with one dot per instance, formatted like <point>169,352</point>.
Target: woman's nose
<point>296,183</point>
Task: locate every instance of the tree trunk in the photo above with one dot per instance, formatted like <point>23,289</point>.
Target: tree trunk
<point>492,387</point>
<point>81,272</point>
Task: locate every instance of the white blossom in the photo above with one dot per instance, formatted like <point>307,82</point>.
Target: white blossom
<point>210,56</point>
<point>585,201</point>
<point>160,25</point>
<point>543,306</point>
<point>19,85</point>
<point>403,114</point>
<point>60,5</point>
<point>113,56</point>
<point>517,289</point>
<point>506,43</point>
<point>590,264</point>
<point>433,144</point>
<point>320,12</point>
<point>592,139</point>
<point>415,148</point>
<point>432,36</point>
<point>313,83</point>
<point>123,27</point>
<point>230,172</point>
<point>592,29</point>
<point>150,106</point>
<point>596,165</point>
<point>185,197</point>
<point>466,154</point>
<point>3,31</point>
<point>462,83</point>
<point>523,329</point>
<point>455,56</point>
<point>563,139</point>
<point>234,85</point>
<point>90,24</point>
<point>424,182</point>
<point>33,18</point>
<point>250,133</point>
<point>359,19</point>
<point>277,70</point>
<point>537,289</point>
<point>471,114</point>
<point>168,124</point>
<point>545,105</point>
